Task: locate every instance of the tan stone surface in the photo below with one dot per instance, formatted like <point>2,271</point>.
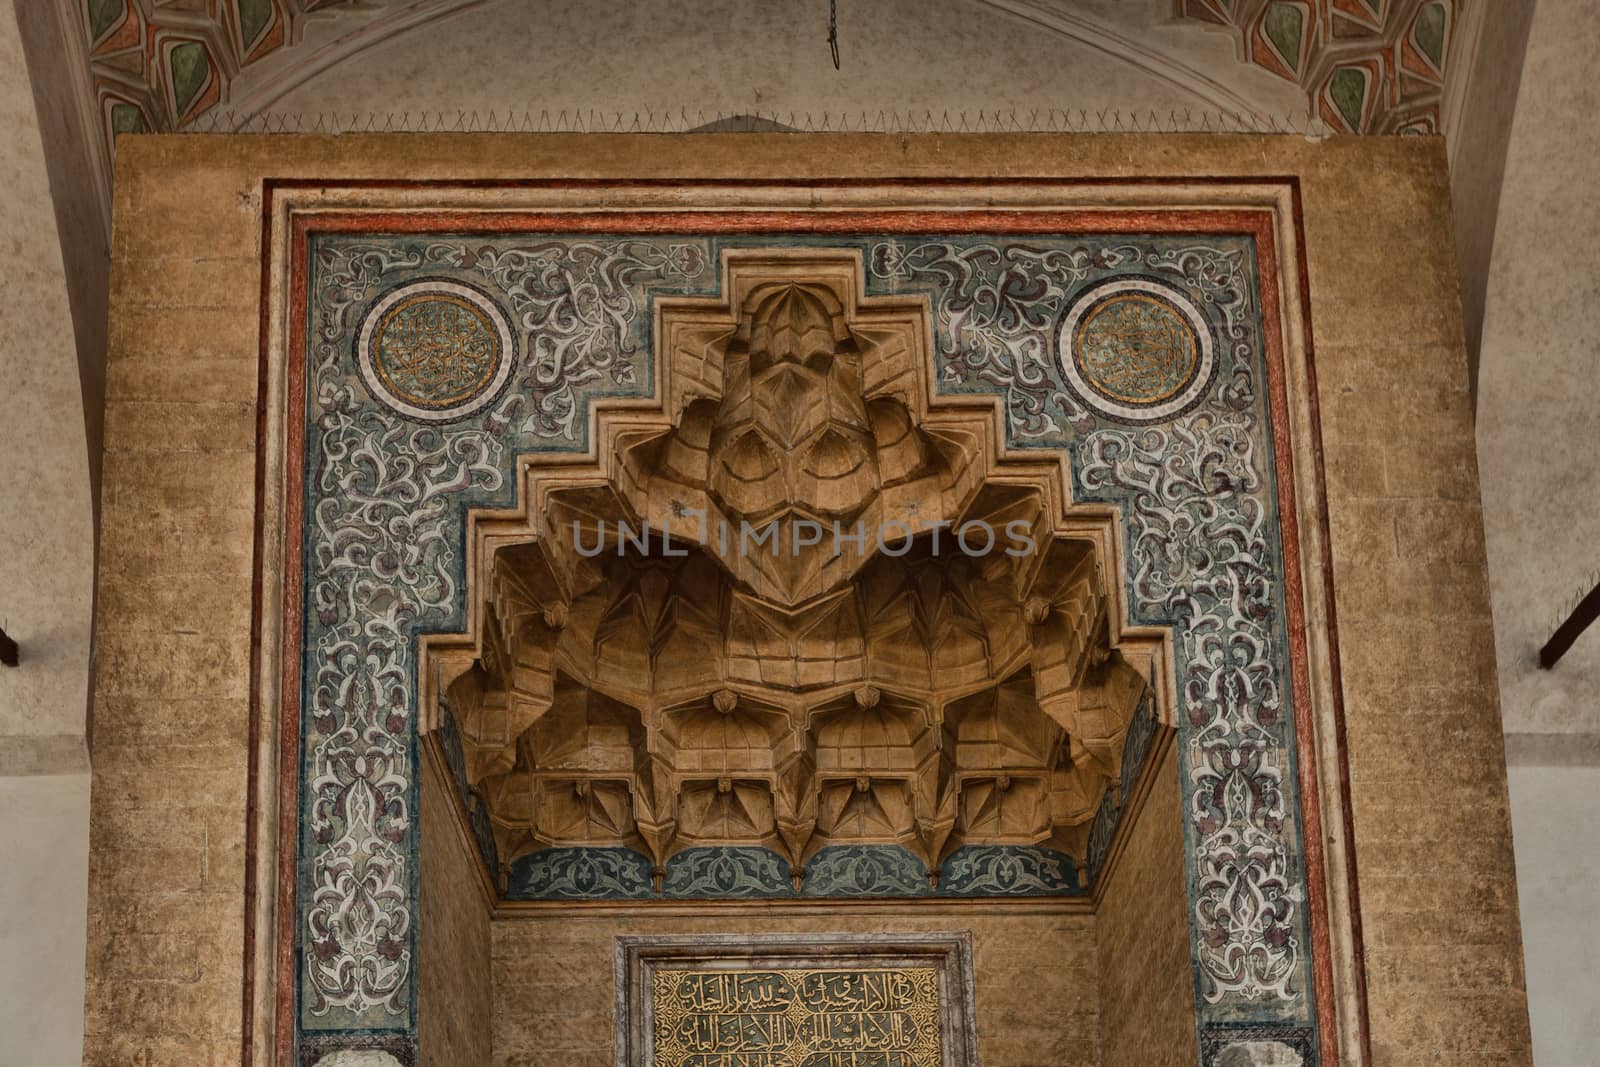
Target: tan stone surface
<point>1033,976</point>
<point>1142,926</point>
<point>1438,893</point>
<point>455,1001</point>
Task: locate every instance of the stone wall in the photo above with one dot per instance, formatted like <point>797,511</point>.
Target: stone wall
<point>168,794</point>
<point>1433,843</point>
<point>1479,132</point>
<point>588,64</point>
<point>43,891</point>
<point>1557,815</point>
<point>455,998</point>
<point>1142,929</point>
<point>1033,975</point>
<point>1438,896</point>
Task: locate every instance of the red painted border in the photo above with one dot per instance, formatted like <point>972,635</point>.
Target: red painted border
<point>1299,669</point>
<point>1335,665</point>
<point>257,549</point>
<point>1254,223</point>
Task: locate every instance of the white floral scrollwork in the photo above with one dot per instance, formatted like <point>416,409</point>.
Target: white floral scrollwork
<point>384,506</point>
<point>1200,538</point>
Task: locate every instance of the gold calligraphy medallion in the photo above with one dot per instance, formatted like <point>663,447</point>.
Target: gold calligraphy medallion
<point>1136,348</point>
<point>435,351</point>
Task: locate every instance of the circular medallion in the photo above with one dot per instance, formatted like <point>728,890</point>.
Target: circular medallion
<point>434,350</point>
<point>1136,350</point>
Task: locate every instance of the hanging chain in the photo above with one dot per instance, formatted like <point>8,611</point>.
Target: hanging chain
<point>833,31</point>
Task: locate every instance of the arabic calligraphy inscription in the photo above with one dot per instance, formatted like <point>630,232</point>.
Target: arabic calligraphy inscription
<point>797,1018</point>
<point>435,350</point>
<point>1137,350</point>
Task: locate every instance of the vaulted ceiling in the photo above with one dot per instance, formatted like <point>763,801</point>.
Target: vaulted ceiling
<point>1368,66</point>
<point>158,65</point>
<point>1361,66</point>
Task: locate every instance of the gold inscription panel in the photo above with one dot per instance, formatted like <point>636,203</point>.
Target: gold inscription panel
<point>797,1018</point>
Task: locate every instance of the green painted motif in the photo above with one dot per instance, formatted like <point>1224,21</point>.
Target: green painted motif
<point>1430,33</point>
<point>103,14</point>
<point>125,118</point>
<point>1285,25</point>
<point>1348,87</point>
<point>254,15</point>
<point>190,69</point>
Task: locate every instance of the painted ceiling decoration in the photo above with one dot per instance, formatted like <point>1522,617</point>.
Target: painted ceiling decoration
<point>1368,66</point>
<point>157,65</point>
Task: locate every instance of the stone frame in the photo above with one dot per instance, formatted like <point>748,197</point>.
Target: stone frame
<point>1271,206</point>
<point>180,864</point>
<point>636,958</point>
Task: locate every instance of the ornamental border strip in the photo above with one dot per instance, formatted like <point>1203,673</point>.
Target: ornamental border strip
<point>1261,748</point>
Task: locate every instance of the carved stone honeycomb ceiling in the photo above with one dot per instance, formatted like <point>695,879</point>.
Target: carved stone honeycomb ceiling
<point>805,612</point>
